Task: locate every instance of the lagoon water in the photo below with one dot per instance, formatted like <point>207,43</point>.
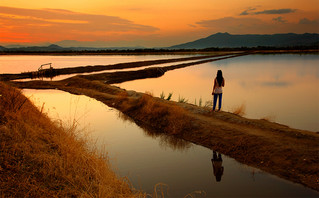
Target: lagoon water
<point>281,88</point>
<point>26,63</point>
<point>149,160</point>
<point>284,88</point>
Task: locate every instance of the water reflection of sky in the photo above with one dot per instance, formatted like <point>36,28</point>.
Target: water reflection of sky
<point>20,63</point>
<point>284,88</point>
<point>148,158</point>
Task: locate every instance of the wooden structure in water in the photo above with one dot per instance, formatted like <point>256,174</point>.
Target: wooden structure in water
<point>41,67</point>
<point>44,72</point>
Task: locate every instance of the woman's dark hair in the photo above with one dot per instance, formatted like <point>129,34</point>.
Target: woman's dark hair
<point>219,77</point>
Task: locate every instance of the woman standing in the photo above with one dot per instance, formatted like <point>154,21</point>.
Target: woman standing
<point>217,89</point>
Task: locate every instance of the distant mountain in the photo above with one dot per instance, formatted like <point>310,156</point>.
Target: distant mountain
<point>57,48</point>
<point>219,40</point>
<point>50,48</point>
<point>27,45</point>
<point>226,40</point>
<point>94,44</point>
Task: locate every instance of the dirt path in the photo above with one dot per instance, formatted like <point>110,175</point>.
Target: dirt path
<point>150,72</point>
<point>288,153</point>
<point>118,66</point>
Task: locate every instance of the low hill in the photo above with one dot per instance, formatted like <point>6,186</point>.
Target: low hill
<point>226,40</point>
<point>58,48</point>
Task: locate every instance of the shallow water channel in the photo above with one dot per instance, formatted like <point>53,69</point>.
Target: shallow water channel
<point>283,88</point>
<point>149,160</point>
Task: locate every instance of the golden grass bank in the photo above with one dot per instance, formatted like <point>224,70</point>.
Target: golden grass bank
<point>40,158</point>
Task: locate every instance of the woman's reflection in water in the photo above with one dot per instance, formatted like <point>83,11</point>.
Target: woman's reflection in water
<point>218,169</point>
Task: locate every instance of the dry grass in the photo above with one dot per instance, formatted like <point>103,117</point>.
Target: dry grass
<point>289,153</point>
<point>39,158</point>
<point>241,110</point>
<point>269,118</point>
<point>170,119</point>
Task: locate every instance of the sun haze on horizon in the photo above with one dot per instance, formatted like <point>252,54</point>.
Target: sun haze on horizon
<point>158,23</point>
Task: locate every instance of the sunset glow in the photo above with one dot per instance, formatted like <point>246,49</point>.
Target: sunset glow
<point>149,23</point>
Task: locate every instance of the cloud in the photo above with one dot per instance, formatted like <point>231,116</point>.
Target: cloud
<point>276,84</point>
<point>247,12</point>
<point>274,11</point>
<point>306,21</point>
<point>279,11</point>
<point>233,25</point>
<point>250,25</point>
<point>58,24</point>
<point>192,25</point>
<point>280,19</point>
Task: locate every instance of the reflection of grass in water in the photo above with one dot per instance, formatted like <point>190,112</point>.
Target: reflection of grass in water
<point>194,194</point>
<point>161,189</point>
<point>164,140</point>
<point>174,143</point>
<point>40,158</point>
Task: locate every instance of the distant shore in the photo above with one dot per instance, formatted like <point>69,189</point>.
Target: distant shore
<point>288,153</point>
<point>162,52</point>
<point>150,72</point>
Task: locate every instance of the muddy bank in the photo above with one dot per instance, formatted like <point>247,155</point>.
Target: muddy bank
<point>96,68</point>
<point>123,76</point>
<point>163,51</point>
<point>288,153</point>
<point>151,72</point>
<point>40,158</point>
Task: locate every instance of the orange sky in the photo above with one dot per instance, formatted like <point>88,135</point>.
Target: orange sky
<point>149,23</point>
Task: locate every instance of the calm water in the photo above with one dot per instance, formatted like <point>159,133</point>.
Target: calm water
<point>17,64</point>
<point>148,160</point>
<point>281,87</point>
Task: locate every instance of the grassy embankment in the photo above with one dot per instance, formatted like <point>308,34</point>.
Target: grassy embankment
<point>95,68</point>
<point>288,153</point>
<point>39,158</point>
<point>280,150</point>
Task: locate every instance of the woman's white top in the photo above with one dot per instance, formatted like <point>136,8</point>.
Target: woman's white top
<point>218,89</point>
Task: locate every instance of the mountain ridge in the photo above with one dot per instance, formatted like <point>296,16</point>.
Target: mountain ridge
<point>226,40</point>
<point>218,40</point>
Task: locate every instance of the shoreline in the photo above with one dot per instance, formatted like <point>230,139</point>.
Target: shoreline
<point>41,158</point>
<point>289,153</point>
<point>159,52</point>
<point>52,72</point>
